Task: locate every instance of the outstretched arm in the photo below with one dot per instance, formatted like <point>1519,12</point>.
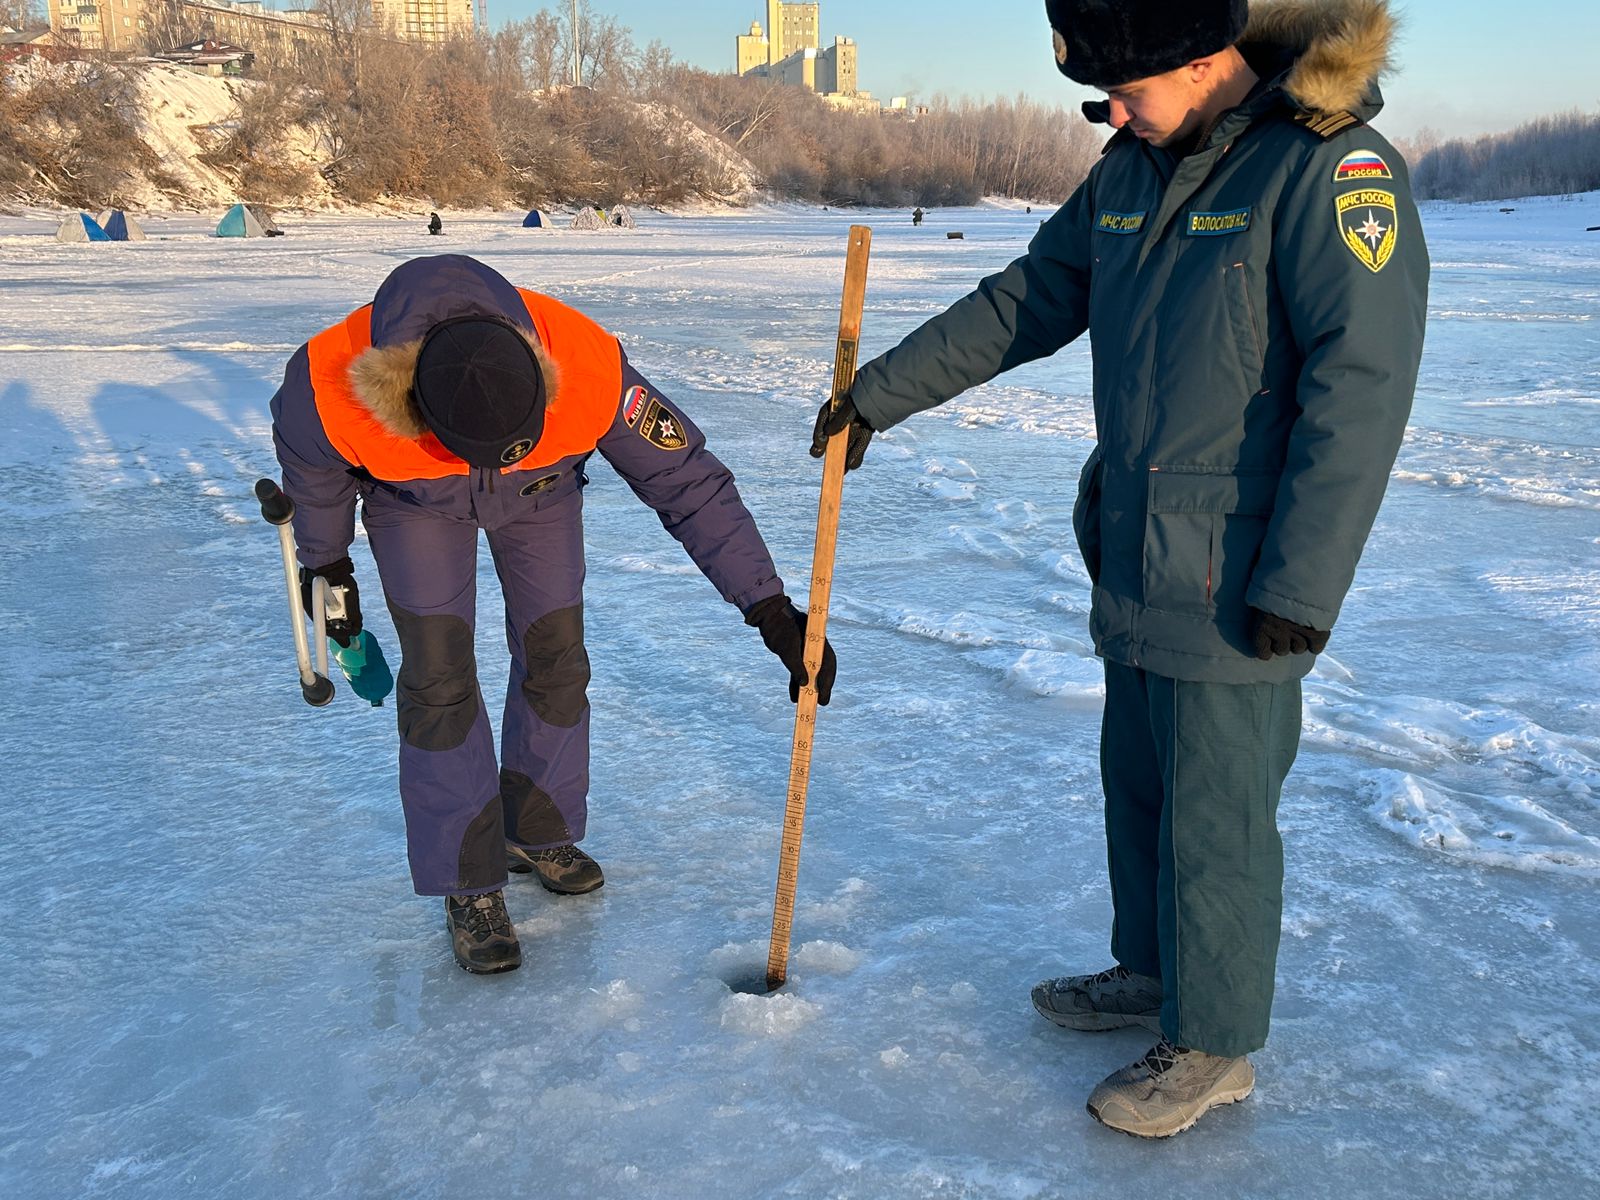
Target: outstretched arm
<point>1028,311</point>
<point>663,458</point>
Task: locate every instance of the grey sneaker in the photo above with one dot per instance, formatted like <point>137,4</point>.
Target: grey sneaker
<point>481,933</point>
<point>563,869</point>
<point>1108,1000</point>
<point>1168,1090</point>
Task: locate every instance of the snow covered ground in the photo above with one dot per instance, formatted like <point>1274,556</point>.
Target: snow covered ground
<point>214,978</point>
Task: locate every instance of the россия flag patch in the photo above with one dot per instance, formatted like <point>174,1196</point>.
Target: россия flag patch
<point>1361,164</point>
<point>633,404</point>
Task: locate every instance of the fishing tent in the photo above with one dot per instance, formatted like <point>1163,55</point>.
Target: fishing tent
<point>536,220</point>
<point>240,221</point>
<point>621,218</point>
<point>81,227</point>
<point>589,218</point>
<point>120,227</point>
<point>263,214</point>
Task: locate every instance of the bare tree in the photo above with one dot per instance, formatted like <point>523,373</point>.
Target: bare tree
<point>654,69</point>
<point>605,49</point>
<point>528,53</point>
<point>485,118</point>
<point>1555,155</point>
<point>330,68</point>
<point>22,14</point>
<point>251,145</point>
<point>736,108</point>
<point>71,134</point>
<point>168,24</point>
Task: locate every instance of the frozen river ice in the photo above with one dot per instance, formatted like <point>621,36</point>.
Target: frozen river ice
<point>214,978</point>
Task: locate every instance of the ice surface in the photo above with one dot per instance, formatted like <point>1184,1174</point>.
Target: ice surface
<point>215,981</point>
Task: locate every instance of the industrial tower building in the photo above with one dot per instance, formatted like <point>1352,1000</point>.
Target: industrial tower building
<point>790,52</point>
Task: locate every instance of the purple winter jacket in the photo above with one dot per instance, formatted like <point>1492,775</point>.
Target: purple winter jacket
<point>650,443</point>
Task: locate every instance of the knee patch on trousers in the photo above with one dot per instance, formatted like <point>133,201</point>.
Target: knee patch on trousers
<point>558,667</point>
<point>482,861</point>
<point>531,816</point>
<point>438,683</point>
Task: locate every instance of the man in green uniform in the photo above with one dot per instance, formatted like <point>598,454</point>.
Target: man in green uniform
<point>1248,260</point>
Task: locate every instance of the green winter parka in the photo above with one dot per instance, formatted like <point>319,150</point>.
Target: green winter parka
<point>1256,313</point>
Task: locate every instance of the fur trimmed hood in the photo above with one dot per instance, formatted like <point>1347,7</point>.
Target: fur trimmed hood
<point>416,296</point>
<point>1339,49</point>
<point>381,379</point>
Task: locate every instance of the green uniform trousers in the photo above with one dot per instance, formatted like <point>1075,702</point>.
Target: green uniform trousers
<point>1192,775</point>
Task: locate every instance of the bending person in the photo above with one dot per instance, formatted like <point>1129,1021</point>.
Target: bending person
<point>456,402</point>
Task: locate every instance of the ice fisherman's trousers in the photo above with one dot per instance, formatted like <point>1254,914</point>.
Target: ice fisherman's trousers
<point>461,804</point>
<point>1192,775</point>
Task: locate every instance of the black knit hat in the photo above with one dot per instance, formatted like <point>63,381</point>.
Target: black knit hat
<point>1107,43</point>
<point>480,390</point>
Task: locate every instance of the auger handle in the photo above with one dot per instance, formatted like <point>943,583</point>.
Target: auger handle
<point>277,509</point>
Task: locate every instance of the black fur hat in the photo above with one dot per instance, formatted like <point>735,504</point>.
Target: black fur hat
<point>1106,43</point>
<point>481,390</point>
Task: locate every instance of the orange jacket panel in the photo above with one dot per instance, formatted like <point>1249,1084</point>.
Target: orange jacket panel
<point>588,391</point>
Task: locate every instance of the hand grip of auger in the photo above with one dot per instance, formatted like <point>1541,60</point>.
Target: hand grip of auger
<point>278,509</point>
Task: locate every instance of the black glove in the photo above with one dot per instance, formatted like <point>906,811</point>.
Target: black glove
<point>1273,635</point>
<point>339,574</point>
<point>831,420</point>
<point>783,629</point>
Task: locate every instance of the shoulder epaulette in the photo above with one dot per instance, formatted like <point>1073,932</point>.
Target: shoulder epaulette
<point>1327,125</point>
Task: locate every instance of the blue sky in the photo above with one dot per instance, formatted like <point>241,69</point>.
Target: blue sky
<point>1466,66</point>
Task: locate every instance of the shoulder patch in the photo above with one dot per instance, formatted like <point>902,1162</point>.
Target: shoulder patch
<point>1368,225</point>
<point>1215,224</point>
<point>1327,125</point>
<point>633,404</point>
<point>660,427</point>
<point>1118,222</point>
<point>1361,164</point>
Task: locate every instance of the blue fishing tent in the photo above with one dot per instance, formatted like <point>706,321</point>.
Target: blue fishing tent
<point>81,227</point>
<point>239,221</point>
<point>535,220</point>
<point>120,227</point>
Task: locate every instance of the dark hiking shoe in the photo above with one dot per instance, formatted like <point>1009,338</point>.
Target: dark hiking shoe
<point>1108,1000</point>
<point>1169,1089</point>
<point>481,933</point>
<point>563,869</point>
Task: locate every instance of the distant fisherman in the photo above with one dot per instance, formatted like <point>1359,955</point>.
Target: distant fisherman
<point>1249,262</point>
<point>456,402</point>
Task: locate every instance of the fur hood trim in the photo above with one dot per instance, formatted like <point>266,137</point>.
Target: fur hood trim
<point>381,379</point>
<point>1341,47</point>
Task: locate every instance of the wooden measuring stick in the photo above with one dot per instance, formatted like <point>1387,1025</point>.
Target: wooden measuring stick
<point>805,716</point>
